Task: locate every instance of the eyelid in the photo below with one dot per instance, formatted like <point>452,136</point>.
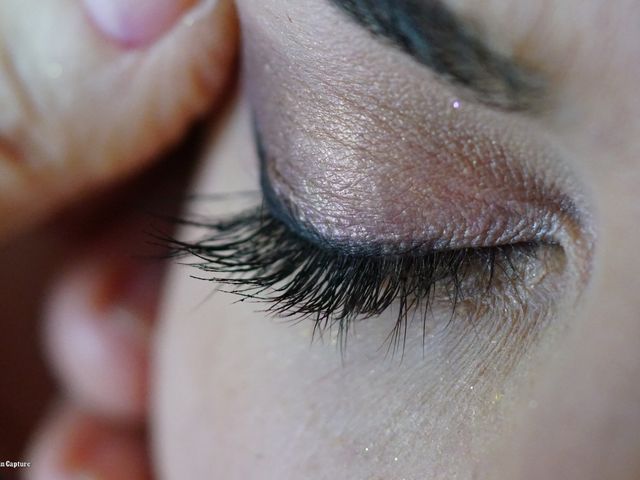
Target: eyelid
<point>317,206</point>
<point>383,152</point>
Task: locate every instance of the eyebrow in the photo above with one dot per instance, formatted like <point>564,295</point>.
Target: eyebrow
<point>431,34</point>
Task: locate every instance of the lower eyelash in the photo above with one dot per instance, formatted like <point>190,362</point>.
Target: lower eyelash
<point>259,258</point>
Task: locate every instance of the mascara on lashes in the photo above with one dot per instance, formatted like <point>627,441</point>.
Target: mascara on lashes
<point>494,227</point>
<point>260,259</point>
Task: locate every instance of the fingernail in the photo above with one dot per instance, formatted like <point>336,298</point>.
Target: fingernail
<point>136,23</point>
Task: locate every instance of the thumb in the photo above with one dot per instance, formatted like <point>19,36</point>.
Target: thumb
<point>92,90</point>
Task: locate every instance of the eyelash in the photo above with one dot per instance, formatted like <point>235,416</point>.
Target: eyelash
<point>259,258</point>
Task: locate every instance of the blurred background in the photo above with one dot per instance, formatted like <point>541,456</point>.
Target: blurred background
<point>31,262</point>
<point>28,265</point>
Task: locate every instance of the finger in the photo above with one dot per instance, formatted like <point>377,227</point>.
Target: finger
<point>99,321</point>
<point>87,97</point>
<point>73,445</point>
<point>136,23</point>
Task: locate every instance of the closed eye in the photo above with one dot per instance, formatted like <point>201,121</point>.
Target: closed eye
<point>385,190</point>
<point>435,37</point>
<point>261,259</point>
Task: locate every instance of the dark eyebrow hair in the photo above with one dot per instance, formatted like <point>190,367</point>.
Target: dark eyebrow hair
<point>436,38</point>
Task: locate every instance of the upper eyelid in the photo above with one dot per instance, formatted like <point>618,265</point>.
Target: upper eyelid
<point>545,223</point>
<point>435,37</point>
<point>301,102</point>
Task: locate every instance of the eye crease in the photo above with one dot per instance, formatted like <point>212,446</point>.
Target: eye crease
<point>431,34</point>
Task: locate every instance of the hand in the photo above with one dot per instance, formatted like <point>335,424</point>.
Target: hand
<point>90,94</point>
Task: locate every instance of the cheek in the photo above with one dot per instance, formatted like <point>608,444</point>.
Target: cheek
<point>587,418</point>
<point>238,394</point>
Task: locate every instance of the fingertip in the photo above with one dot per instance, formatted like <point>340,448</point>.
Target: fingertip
<point>105,113</point>
<point>135,23</point>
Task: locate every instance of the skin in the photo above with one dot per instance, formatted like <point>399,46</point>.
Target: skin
<point>252,398</point>
<point>82,113</point>
<point>68,147</point>
<point>547,388</point>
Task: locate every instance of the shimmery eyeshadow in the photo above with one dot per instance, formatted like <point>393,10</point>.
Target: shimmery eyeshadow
<point>434,36</point>
<point>383,152</point>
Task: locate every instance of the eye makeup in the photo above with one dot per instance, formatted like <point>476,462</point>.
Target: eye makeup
<point>452,197</point>
<point>384,187</point>
<point>363,147</point>
<point>259,258</point>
